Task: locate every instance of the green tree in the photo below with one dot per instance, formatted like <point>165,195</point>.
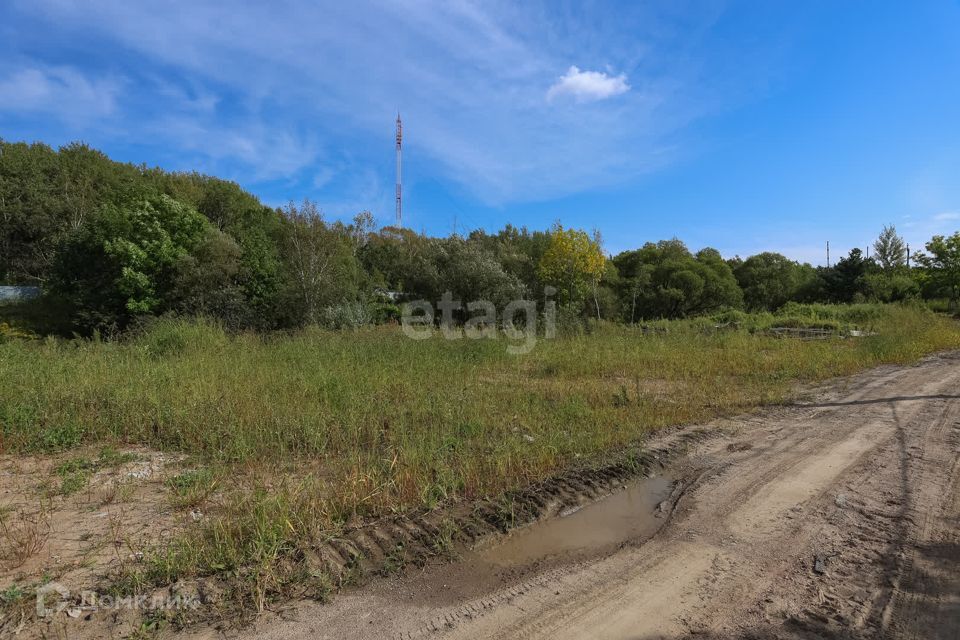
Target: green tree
<point>28,225</point>
<point>942,266</point>
<point>471,272</point>
<point>664,280</point>
<point>769,280</point>
<point>321,262</point>
<point>401,260</point>
<point>883,286</point>
<point>890,251</point>
<point>519,250</point>
<point>46,195</point>
<point>573,263</point>
<point>123,262</point>
<point>846,282</point>
<point>209,282</point>
<point>256,229</point>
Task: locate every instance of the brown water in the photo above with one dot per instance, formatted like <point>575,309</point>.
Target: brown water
<point>630,514</point>
<point>625,515</point>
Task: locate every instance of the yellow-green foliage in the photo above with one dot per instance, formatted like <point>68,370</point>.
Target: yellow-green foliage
<point>12,333</point>
<point>572,262</point>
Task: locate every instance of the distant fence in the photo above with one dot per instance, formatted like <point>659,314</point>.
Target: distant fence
<point>10,294</point>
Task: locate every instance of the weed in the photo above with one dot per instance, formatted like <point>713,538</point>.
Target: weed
<point>318,584</point>
<point>443,540</point>
<point>123,491</point>
<point>73,482</point>
<point>191,488</point>
<point>15,604</point>
<point>622,397</point>
<point>505,514</point>
<point>111,458</point>
<point>353,573</point>
<point>150,626</point>
<point>13,594</point>
<point>74,474</point>
<point>74,465</point>
<point>23,534</point>
<point>395,561</point>
<point>58,438</point>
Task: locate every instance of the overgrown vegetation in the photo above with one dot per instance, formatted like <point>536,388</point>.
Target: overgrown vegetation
<point>319,429</point>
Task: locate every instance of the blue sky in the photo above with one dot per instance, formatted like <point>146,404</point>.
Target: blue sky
<point>745,126</point>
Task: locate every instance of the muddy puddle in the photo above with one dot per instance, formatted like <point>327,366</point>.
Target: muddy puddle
<point>625,515</point>
<point>630,514</point>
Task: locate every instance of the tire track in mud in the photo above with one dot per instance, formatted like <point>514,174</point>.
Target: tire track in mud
<point>924,600</point>
<point>863,533</point>
<point>371,548</point>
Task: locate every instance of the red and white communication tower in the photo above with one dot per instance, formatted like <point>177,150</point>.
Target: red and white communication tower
<point>399,172</point>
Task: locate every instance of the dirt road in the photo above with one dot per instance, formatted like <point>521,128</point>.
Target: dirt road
<point>835,517</point>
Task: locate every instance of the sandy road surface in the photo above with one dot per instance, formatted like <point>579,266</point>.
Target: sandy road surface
<point>836,517</point>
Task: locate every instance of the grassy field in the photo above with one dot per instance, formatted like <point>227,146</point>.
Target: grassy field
<point>300,434</point>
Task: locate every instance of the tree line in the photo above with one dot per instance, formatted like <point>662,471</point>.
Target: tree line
<point>110,243</point>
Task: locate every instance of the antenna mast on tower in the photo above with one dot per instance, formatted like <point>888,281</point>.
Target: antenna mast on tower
<point>399,172</point>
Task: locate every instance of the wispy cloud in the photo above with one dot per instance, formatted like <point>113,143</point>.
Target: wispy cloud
<point>269,86</point>
<point>271,152</point>
<point>587,86</point>
<point>58,90</point>
<point>946,216</point>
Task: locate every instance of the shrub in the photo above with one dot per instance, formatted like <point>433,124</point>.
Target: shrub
<point>346,315</point>
<point>169,337</point>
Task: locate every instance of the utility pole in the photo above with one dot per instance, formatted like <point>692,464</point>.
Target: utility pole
<point>828,254</point>
<point>399,172</point>
<point>908,256</point>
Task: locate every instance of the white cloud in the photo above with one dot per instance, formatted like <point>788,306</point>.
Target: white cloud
<point>62,91</point>
<point>468,77</point>
<point>588,86</point>
<point>323,177</point>
<point>271,152</point>
<point>947,215</point>
<point>196,99</point>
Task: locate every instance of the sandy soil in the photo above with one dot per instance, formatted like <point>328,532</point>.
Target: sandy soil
<point>73,540</point>
<point>837,517</point>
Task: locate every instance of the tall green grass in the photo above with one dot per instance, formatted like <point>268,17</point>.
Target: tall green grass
<point>386,421</point>
<point>313,429</point>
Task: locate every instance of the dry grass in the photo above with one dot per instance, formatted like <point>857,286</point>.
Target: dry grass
<point>295,436</point>
<point>23,534</point>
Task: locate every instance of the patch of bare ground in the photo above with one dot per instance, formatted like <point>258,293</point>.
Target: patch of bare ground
<point>836,517</point>
<point>70,520</point>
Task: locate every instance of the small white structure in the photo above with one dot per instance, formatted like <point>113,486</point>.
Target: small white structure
<point>10,294</point>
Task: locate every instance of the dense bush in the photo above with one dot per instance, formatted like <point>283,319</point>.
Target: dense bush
<point>769,280</point>
<point>664,280</point>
